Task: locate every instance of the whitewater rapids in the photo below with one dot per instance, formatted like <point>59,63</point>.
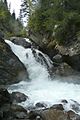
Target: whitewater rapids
<point>40,87</point>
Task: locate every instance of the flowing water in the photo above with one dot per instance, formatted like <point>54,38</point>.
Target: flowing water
<point>40,87</point>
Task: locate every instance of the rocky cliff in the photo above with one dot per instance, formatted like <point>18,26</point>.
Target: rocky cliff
<point>11,69</point>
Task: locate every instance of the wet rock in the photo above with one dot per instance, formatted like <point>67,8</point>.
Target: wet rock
<point>57,58</point>
<point>58,107</point>
<point>64,101</point>
<point>40,105</point>
<point>11,68</point>
<point>72,115</point>
<point>75,106</point>
<point>53,114</point>
<point>21,41</point>
<point>18,97</point>
<point>38,118</point>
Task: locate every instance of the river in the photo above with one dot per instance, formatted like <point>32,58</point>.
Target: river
<point>41,87</point>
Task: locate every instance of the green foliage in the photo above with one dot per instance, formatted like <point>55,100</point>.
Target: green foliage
<point>63,13</point>
<point>9,25</point>
<point>68,28</point>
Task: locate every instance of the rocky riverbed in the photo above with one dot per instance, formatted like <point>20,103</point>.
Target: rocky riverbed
<point>11,111</point>
<point>12,70</point>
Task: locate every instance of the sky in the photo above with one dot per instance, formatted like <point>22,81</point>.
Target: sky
<point>15,5</point>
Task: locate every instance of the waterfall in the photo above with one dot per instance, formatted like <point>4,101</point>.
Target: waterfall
<point>40,87</point>
<point>37,71</point>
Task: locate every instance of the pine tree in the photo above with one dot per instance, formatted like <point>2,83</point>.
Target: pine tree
<point>65,14</point>
<point>13,15</point>
<point>5,2</point>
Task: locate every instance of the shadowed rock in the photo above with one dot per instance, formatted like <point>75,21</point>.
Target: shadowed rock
<point>11,68</point>
<point>18,97</point>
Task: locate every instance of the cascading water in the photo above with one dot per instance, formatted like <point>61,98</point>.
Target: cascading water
<point>40,87</point>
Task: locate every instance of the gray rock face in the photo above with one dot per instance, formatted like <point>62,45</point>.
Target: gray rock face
<point>21,41</point>
<point>71,54</point>
<point>73,61</point>
<point>11,69</point>
<point>64,69</point>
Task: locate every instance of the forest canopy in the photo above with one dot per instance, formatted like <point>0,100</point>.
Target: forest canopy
<point>58,18</point>
<point>9,25</point>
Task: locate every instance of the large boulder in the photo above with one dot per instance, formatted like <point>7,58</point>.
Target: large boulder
<point>72,115</point>
<point>58,107</point>
<point>53,113</point>
<point>70,54</point>
<point>18,97</point>
<point>9,111</point>
<point>40,105</point>
<point>11,68</point>
<point>64,69</point>
<point>73,61</point>
<point>12,112</point>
